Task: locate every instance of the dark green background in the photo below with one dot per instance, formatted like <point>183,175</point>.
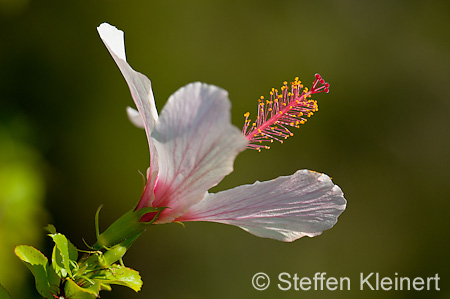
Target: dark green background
<point>382,133</point>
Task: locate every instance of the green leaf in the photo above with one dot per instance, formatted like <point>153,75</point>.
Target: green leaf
<point>124,276</point>
<point>3,293</point>
<point>105,287</point>
<point>50,228</point>
<point>63,252</point>
<point>57,263</point>
<point>74,291</point>
<point>47,283</point>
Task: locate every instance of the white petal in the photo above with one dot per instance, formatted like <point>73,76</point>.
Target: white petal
<point>135,118</point>
<point>140,85</point>
<point>196,144</point>
<point>113,38</point>
<point>287,208</point>
<point>141,91</point>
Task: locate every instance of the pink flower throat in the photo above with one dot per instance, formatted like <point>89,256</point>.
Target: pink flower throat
<point>290,108</point>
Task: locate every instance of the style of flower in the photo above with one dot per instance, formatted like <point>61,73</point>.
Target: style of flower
<point>193,146</point>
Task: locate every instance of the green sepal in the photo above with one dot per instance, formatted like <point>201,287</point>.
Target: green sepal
<point>120,275</point>
<point>126,227</point>
<point>74,291</point>
<point>4,293</point>
<point>63,252</point>
<point>114,254</point>
<point>47,282</point>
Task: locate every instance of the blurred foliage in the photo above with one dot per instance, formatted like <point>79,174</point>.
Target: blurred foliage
<point>381,132</point>
<point>21,207</point>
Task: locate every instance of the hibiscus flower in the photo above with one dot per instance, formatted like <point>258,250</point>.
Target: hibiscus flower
<point>193,146</point>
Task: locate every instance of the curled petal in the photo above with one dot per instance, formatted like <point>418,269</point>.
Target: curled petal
<point>287,208</point>
<point>141,91</point>
<point>196,144</point>
<point>135,118</point>
<point>140,86</point>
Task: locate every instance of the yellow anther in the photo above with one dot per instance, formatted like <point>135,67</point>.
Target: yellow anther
<point>285,83</point>
<point>247,114</point>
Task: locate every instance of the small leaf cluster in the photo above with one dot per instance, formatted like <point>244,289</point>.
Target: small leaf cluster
<point>72,277</point>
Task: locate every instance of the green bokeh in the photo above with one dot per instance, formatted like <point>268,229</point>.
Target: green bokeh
<point>21,206</point>
<point>381,132</point>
